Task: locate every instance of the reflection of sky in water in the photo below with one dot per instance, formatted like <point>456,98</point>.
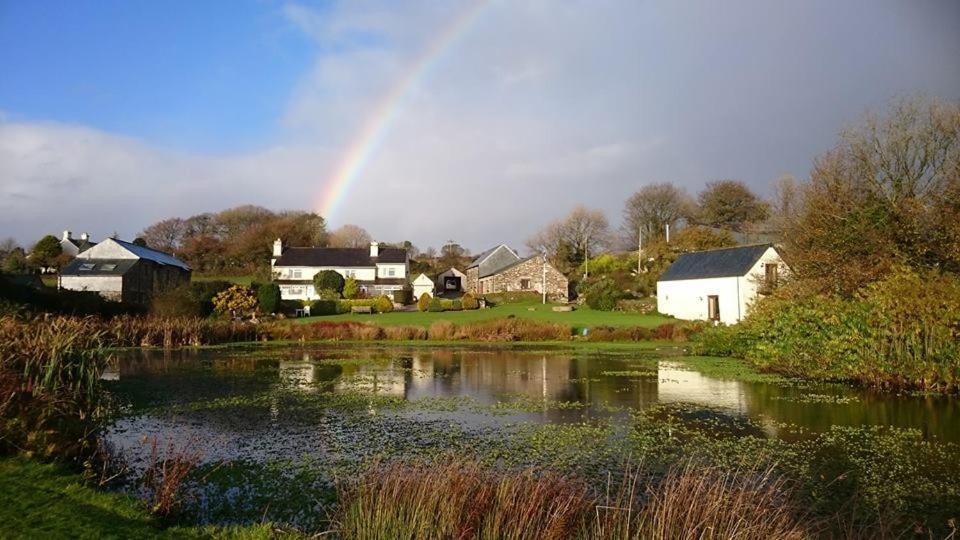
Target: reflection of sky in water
<point>471,389</point>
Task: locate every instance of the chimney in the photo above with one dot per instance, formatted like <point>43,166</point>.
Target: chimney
<point>277,248</point>
<point>374,249</point>
<point>66,235</point>
<point>85,236</point>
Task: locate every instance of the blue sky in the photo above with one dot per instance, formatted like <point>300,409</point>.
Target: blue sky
<point>201,76</point>
<point>115,114</point>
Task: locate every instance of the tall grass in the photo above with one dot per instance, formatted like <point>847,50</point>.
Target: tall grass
<point>465,500</point>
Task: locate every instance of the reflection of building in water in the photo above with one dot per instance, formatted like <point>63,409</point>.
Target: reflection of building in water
<point>299,373</point>
<point>387,379</point>
<point>678,384</point>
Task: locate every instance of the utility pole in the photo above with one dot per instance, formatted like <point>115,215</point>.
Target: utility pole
<point>639,249</point>
<point>586,262</point>
<point>668,233</point>
<point>543,286</point>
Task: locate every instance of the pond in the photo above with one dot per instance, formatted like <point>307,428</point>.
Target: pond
<point>276,426</point>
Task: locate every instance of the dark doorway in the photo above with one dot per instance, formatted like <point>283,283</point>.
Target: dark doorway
<point>713,307</point>
<point>451,283</point>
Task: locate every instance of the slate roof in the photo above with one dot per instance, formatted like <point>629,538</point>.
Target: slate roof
<point>82,245</point>
<point>727,262</point>
<point>152,255</point>
<point>340,257</point>
<point>491,262</point>
<point>98,267</point>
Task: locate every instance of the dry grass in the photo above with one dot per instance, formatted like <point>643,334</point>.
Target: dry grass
<point>166,474</point>
<point>465,500</point>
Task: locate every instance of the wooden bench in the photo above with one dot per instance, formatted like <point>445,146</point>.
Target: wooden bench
<point>361,309</point>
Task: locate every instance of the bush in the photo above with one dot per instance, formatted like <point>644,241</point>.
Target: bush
<point>383,304</point>
<point>179,302</point>
<point>345,306</point>
<point>268,297</point>
<point>404,296</point>
<point>451,305</point>
<point>399,333</point>
<point>423,304</point>
<point>643,306</point>
<point>323,307</point>
<point>203,293</point>
<point>436,306</point>
<point>350,288</point>
<point>328,280</point>
<point>601,294</point>
<point>468,301</point>
<point>237,299</point>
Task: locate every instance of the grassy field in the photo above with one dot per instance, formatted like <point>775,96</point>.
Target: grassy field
<point>46,501</point>
<point>239,280</point>
<point>582,317</point>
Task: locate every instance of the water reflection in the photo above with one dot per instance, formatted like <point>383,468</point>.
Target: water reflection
<point>603,385</point>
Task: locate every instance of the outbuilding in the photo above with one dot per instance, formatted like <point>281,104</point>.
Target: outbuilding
<point>421,285</point>
<point>719,285</point>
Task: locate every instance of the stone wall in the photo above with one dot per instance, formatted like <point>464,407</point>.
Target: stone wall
<point>471,283</point>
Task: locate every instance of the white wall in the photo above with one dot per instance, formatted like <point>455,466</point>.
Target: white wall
<point>399,270</point>
<point>108,286</point>
<point>108,249</point>
<point>307,272</point>
<point>687,299</point>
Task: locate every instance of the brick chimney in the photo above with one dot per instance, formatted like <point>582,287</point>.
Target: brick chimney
<point>374,249</point>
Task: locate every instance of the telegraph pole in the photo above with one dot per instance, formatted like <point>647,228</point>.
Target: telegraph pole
<point>639,249</point>
<point>543,286</point>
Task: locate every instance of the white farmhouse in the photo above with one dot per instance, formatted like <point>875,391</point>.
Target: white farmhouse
<point>378,270</point>
<point>74,246</point>
<point>718,285</point>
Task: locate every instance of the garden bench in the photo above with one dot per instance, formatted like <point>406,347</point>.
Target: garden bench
<point>361,309</point>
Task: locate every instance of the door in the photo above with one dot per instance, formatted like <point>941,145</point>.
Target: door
<point>713,307</point>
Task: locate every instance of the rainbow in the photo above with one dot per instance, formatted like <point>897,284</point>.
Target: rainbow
<point>377,125</point>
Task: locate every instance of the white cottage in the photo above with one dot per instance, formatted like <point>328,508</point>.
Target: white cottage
<point>719,285</point>
<point>378,270</point>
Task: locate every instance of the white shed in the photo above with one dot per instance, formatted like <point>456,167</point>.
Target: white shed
<point>720,284</point>
<point>421,285</point>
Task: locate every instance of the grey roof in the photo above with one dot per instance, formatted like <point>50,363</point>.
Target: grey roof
<point>343,257</point>
<point>81,244</point>
<point>494,260</point>
<point>153,255</point>
<point>98,267</point>
<point>727,262</point>
<point>476,260</point>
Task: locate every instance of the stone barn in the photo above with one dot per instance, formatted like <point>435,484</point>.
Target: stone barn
<point>124,272</point>
<point>500,269</point>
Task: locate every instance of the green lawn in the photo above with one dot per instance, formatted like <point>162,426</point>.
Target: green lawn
<point>47,501</point>
<point>239,280</point>
<point>581,317</point>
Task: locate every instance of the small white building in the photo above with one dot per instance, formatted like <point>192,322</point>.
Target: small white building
<point>74,246</point>
<point>378,270</point>
<point>421,285</point>
<point>720,284</point>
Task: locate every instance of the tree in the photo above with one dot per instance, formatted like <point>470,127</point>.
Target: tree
<point>268,297</point>
<point>7,245</point>
<point>139,241</point>
<point>785,205</point>
<point>651,210</point>
<point>16,262</point>
<point>328,280</point>
<point>350,288</point>
<point>729,204</point>
<point>574,239</point>
<point>452,255</point>
<point>46,253</point>
<point>165,235</point>
<point>888,194</point>
<point>700,239</point>
<point>350,236</point>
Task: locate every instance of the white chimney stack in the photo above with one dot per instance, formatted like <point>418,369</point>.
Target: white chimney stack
<point>374,249</point>
<point>85,236</point>
<point>66,235</point>
<point>277,248</point>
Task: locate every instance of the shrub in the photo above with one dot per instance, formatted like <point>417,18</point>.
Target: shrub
<point>601,294</point>
<point>403,296</point>
<point>468,301</point>
<point>423,304</point>
<point>643,306</point>
<point>178,302</point>
<point>436,306</point>
<point>203,293</point>
<point>323,307</point>
<point>513,329</point>
<point>383,304</point>
<point>441,330</point>
<point>237,299</point>
<point>268,297</point>
<point>328,280</point>
<point>350,288</point>
<point>451,305</point>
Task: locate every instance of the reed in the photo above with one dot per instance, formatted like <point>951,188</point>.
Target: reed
<point>462,499</point>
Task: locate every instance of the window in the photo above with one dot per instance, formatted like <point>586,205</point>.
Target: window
<point>86,267</point>
<point>713,308</point>
<point>391,271</point>
<point>297,274</point>
<point>770,274</point>
<point>524,284</point>
<point>350,273</point>
<point>108,267</point>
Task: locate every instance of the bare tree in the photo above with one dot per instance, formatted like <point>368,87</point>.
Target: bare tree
<point>166,235</point>
<point>651,209</point>
<point>350,236</point>
<point>573,239</point>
